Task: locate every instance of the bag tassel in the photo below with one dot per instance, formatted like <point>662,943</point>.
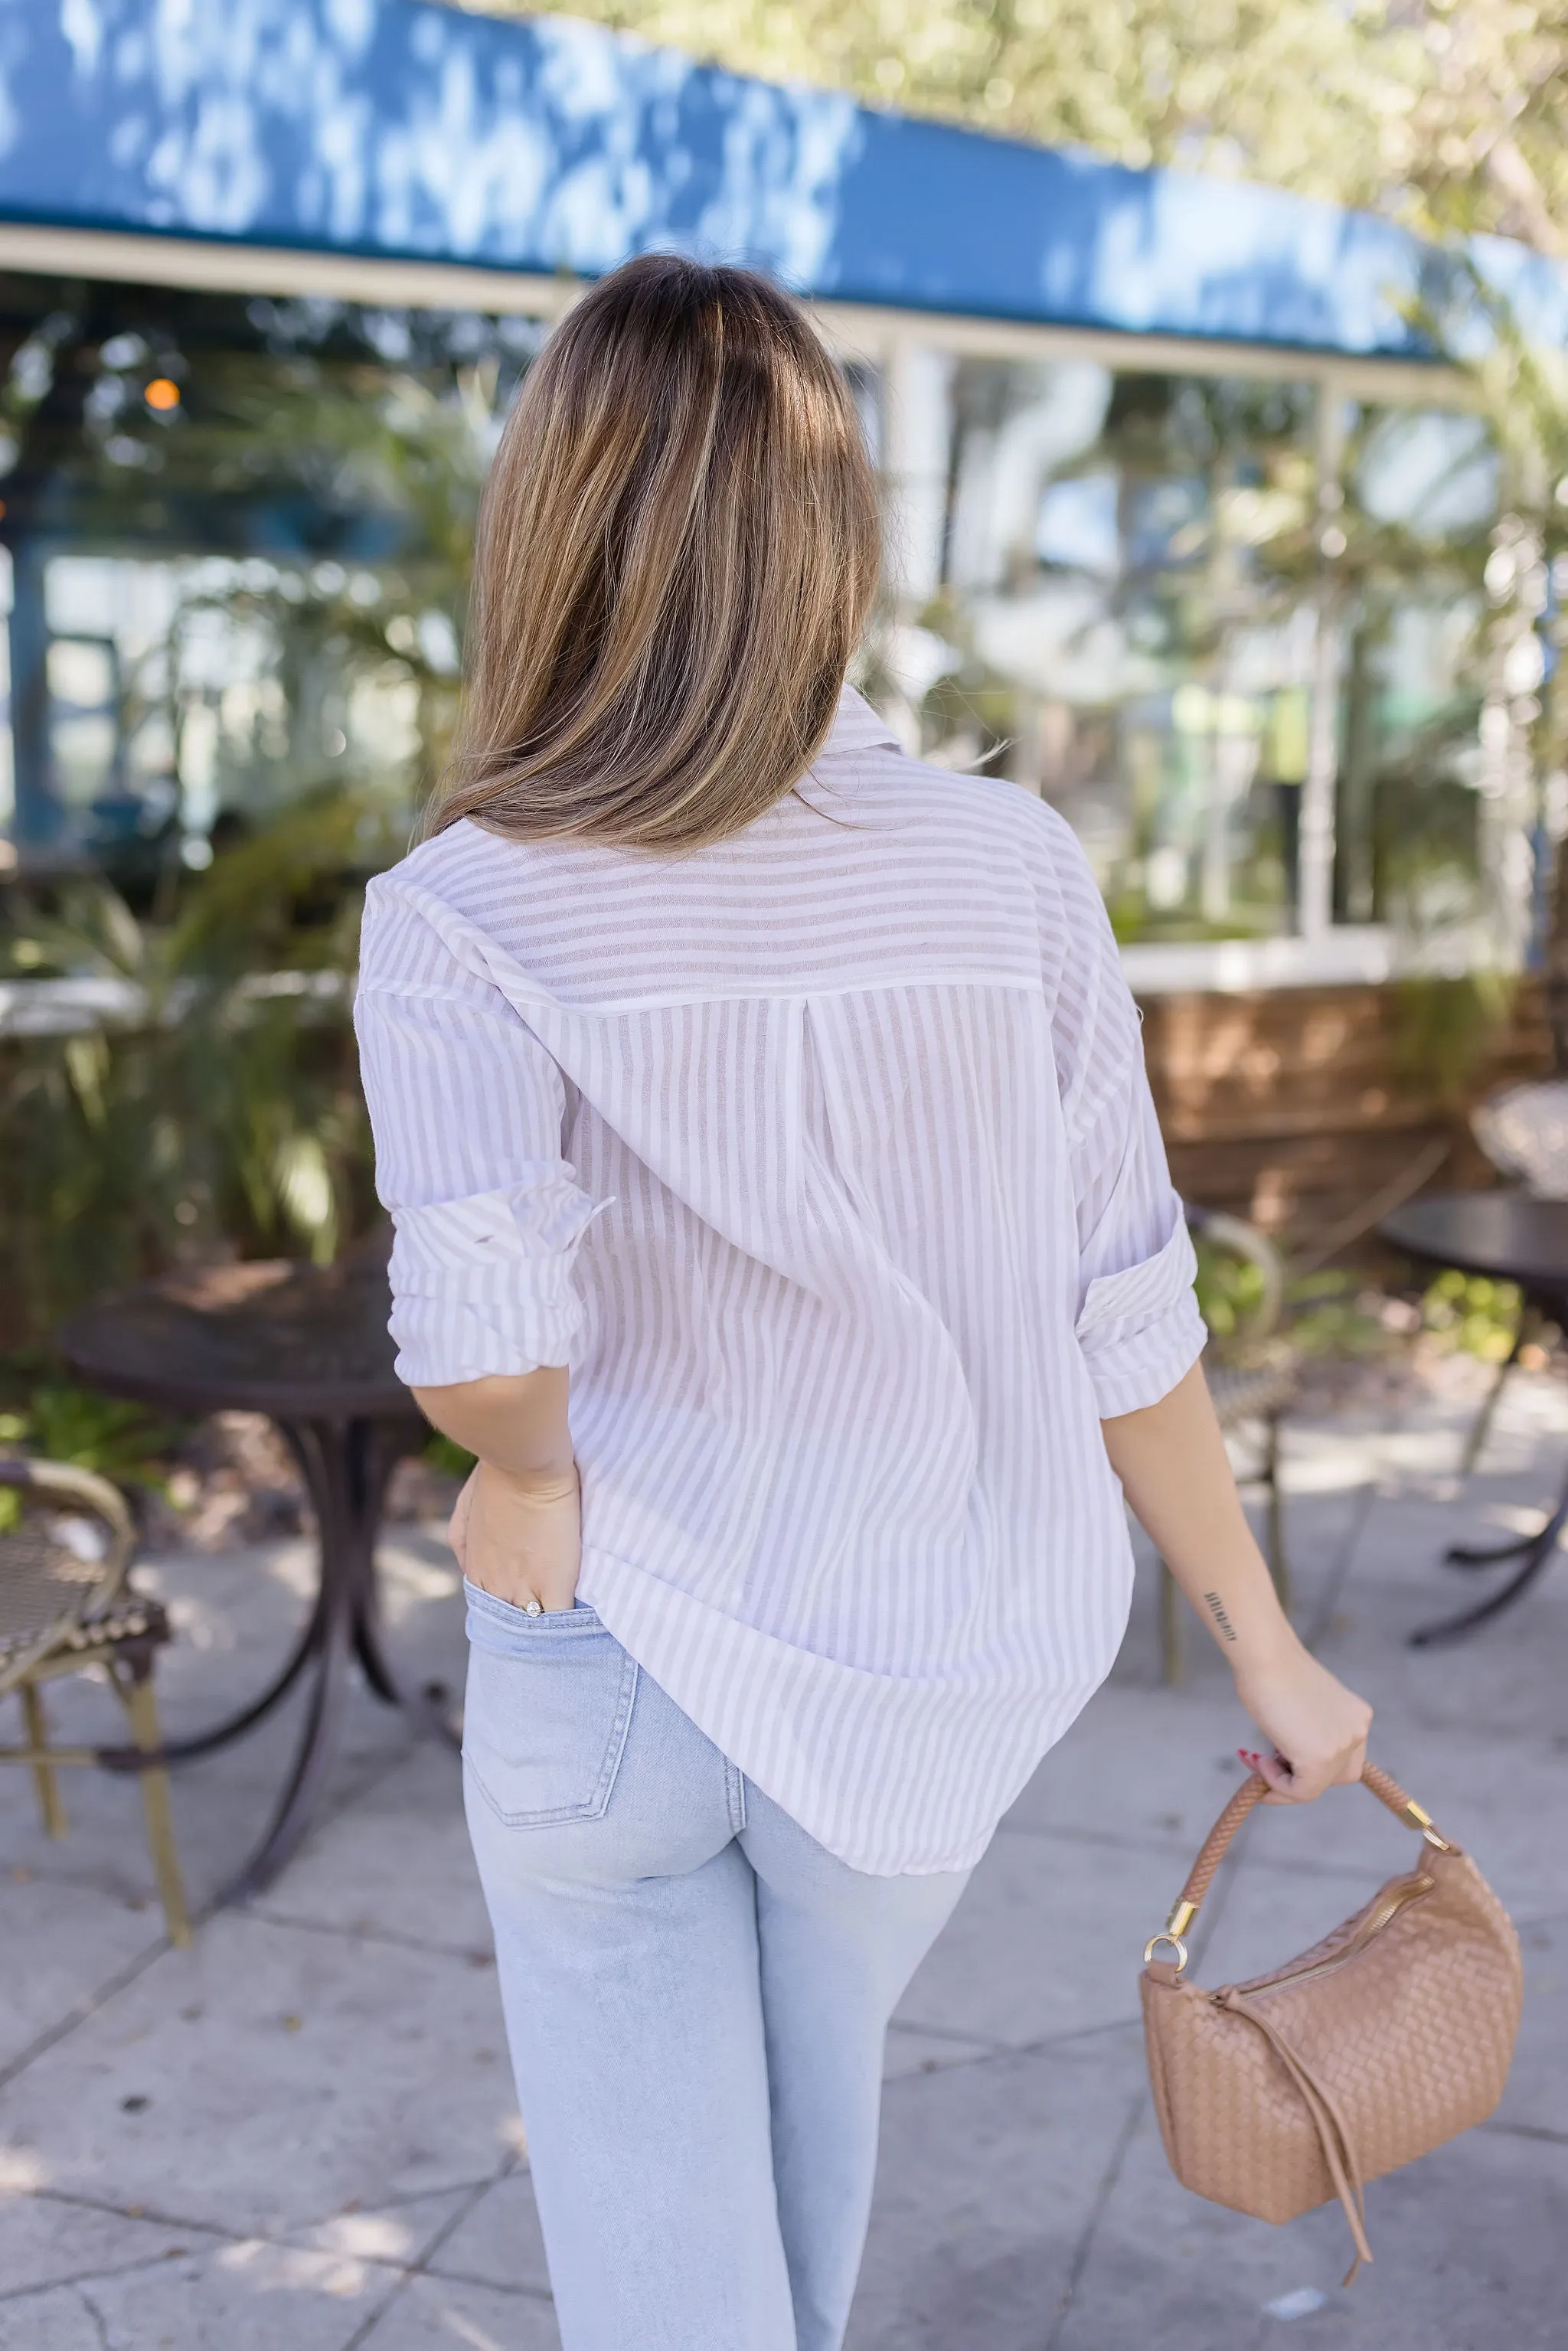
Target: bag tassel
<point>1339,2154</point>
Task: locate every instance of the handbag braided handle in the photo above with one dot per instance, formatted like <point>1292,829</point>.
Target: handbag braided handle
<point>1200,1877</point>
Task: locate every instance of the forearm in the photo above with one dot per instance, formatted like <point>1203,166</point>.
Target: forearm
<point>1171,1462</point>
<point>515,1424</point>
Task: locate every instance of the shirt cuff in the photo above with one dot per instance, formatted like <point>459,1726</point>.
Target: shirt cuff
<point>1140,1330</point>
<point>483,1285</point>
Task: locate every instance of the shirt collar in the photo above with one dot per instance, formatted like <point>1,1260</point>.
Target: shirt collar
<point>856,727</point>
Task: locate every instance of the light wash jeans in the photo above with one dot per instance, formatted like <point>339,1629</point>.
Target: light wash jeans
<point>697,1997</point>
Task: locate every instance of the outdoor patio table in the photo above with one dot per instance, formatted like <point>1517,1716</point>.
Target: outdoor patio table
<point>309,1348</point>
<point>1510,1236</point>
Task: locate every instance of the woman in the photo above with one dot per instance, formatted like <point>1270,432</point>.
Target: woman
<point>782,1221</point>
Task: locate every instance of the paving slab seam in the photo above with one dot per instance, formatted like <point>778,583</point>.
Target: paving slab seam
<point>1537,2131</point>
<point>88,2005</point>
<point>366,1931</point>
<point>419,2268</point>
<point>286,2240</point>
<point>1103,2195</point>
<point>58,1868</point>
<point>154,2217</point>
<point>524,2293</point>
<point>397,2286</point>
<point>477,2186</point>
<point>991,2053</point>
<point>100,2323</point>
<point>986,2043</point>
<point>1128,2023</point>
<point>75,2280</point>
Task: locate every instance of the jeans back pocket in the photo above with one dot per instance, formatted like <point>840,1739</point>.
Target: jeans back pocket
<point>547,1710</point>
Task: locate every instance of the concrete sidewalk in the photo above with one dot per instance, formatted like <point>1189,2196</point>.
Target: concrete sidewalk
<point>301,2136</point>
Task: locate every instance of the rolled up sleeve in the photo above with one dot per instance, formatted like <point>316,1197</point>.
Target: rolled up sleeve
<point>1139,1329</point>
<point>467,1109</point>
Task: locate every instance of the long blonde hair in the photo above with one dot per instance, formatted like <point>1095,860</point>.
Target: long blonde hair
<point>678,548</point>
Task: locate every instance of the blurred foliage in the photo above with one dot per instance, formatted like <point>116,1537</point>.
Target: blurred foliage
<point>1327,1314</point>
<point>1444,1030</point>
<point>1445,113</point>
<point>1333,1313</point>
<point>89,1431</point>
<point>1475,1314</point>
<point>443,1455</point>
<point>222,1113</point>
<point>1231,1292</point>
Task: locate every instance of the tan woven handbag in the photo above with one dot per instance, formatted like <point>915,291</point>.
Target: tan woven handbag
<point>1390,2035</point>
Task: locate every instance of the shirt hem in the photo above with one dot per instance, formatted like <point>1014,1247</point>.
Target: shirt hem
<point>613,1586</point>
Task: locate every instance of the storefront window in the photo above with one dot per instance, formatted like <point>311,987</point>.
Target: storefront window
<point>1121,618</point>
<point>1420,498</point>
<point>235,539</point>
<point>240,532</point>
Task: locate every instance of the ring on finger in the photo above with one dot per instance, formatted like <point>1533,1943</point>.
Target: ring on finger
<point>533,1608</point>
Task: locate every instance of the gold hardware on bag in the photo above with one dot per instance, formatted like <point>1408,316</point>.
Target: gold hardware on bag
<point>1419,1818</point>
<point>1175,1926</point>
<point>1389,2036</point>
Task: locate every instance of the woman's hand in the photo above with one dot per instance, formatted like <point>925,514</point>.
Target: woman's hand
<point>520,1536</point>
<point>517,1529</point>
<point>1318,1727</point>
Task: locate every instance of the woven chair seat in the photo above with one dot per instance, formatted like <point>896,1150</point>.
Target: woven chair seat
<point>1252,1391</point>
<point>51,1582</point>
<point>132,1616</point>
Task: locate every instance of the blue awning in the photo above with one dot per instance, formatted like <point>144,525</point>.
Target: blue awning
<point>405,130</point>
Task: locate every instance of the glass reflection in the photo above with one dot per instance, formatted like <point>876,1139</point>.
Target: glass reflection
<point>1115,612</point>
<point>1421,497</point>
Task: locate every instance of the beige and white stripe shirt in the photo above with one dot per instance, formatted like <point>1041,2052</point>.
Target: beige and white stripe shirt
<point>826,1158</point>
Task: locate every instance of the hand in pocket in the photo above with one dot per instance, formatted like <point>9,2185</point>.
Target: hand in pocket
<point>520,1538</point>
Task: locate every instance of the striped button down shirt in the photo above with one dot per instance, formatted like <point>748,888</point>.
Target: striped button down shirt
<point>825,1157</point>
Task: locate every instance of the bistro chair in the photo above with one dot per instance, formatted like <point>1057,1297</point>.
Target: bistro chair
<point>67,1606</point>
<point>1253,1375</point>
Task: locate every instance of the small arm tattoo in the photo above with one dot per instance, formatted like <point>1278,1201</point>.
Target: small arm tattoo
<point>1216,1607</point>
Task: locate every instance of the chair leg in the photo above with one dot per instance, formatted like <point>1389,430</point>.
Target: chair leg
<point>1170,1627</point>
<point>46,1779</point>
<point>141,1705</point>
<point>1480,1427</point>
<point>1278,1563</point>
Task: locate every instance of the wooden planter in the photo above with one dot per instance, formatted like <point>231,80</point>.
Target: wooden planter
<point>1301,1108</point>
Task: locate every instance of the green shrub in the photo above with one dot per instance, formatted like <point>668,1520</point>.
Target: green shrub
<point>1473,1314</point>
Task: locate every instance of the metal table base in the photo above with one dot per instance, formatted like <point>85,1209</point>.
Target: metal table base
<point>308,1347</point>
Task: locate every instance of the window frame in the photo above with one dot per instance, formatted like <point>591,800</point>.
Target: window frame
<point>1320,952</point>
<point>883,339</point>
